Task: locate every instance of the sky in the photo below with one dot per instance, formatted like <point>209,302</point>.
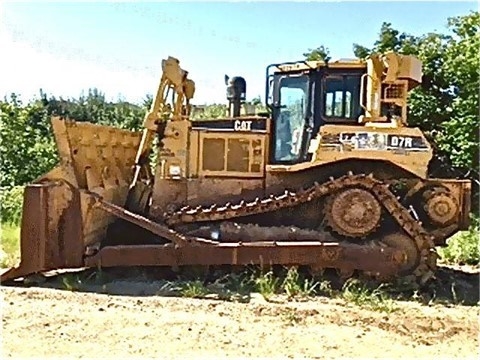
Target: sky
<point>65,48</point>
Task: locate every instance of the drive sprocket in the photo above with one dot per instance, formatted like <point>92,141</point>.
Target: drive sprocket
<point>353,212</point>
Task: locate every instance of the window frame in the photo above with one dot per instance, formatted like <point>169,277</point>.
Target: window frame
<point>307,116</point>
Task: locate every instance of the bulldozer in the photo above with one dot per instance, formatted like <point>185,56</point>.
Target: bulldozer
<point>331,176</point>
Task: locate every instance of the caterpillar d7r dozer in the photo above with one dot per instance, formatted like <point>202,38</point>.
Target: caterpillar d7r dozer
<point>331,176</point>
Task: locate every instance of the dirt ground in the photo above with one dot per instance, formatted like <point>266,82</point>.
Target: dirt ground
<point>53,323</point>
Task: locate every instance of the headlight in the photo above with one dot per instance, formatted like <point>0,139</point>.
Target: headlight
<point>174,170</point>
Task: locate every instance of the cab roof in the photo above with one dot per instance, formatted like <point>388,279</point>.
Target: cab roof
<point>311,65</point>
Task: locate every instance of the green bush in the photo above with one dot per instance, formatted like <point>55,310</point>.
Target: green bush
<point>356,292</point>
<point>11,200</point>
<point>10,245</point>
<point>463,247</point>
<point>266,284</point>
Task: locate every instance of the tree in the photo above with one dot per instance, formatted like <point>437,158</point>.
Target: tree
<point>320,53</point>
<point>213,111</point>
<point>26,143</point>
<point>27,146</point>
<point>388,39</point>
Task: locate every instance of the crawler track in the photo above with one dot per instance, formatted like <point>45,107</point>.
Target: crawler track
<point>424,242</point>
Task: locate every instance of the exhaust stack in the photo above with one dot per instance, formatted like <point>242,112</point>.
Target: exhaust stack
<point>236,94</point>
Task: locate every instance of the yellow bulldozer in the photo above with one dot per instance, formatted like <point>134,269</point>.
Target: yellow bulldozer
<point>330,177</point>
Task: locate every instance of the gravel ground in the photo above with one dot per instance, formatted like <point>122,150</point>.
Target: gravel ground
<point>44,323</point>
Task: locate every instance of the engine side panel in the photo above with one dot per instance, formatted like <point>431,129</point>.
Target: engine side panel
<point>225,161</point>
<point>402,146</point>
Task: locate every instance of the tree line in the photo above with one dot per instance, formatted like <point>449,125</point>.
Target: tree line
<point>445,106</point>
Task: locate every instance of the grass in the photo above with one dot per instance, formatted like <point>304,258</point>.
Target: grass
<point>266,284</point>
<point>462,248</point>
<point>291,317</point>
<point>376,299</point>
<point>11,212</point>
<point>72,282</point>
<point>194,289</point>
<point>10,245</point>
<point>240,287</point>
<point>296,286</point>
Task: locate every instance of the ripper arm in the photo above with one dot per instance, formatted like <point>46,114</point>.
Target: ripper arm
<point>174,84</point>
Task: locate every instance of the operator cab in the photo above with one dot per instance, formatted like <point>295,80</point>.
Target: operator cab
<point>303,96</point>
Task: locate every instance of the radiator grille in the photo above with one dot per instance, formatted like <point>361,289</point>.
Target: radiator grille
<point>232,155</point>
<point>395,91</point>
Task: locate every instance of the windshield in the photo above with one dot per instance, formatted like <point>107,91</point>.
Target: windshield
<point>290,121</point>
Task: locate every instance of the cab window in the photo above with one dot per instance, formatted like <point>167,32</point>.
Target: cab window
<point>289,125</point>
<point>341,97</point>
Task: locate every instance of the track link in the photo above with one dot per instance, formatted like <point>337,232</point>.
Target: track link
<point>380,190</point>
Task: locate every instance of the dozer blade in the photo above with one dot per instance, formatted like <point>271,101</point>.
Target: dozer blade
<point>59,219</point>
<point>51,231</point>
